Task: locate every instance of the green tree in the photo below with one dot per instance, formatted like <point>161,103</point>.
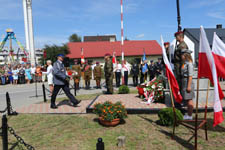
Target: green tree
<point>74,38</point>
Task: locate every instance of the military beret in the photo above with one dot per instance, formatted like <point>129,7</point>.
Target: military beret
<point>151,60</point>
<point>179,32</point>
<point>60,55</point>
<point>97,62</point>
<point>186,51</point>
<point>107,54</point>
<point>167,43</point>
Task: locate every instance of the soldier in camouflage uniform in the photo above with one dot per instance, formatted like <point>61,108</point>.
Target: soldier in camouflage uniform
<point>87,75</point>
<point>108,74</point>
<point>177,55</point>
<point>98,75</point>
<point>76,74</point>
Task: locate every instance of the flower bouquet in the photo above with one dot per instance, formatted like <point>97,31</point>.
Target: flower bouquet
<point>152,91</point>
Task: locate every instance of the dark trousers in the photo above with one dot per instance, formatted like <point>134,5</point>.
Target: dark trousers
<point>21,79</point>
<point>126,77</point>
<point>151,76</point>
<point>66,90</point>
<point>135,80</point>
<point>143,78</point>
<point>118,77</point>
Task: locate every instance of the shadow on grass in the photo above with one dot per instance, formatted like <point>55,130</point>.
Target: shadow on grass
<point>122,122</point>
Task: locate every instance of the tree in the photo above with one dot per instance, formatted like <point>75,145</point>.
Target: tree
<point>53,50</point>
<point>74,38</point>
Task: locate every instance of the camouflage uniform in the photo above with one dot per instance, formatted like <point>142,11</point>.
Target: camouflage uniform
<point>178,61</point>
<point>109,76</point>
<point>76,75</point>
<point>87,75</point>
<point>98,75</point>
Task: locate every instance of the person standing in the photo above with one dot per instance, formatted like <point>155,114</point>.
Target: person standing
<point>187,91</point>
<point>117,71</point>
<point>98,75</point>
<point>151,69</point>
<point>108,69</point>
<point>158,67</point>
<point>21,74</point>
<point>135,73</point>
<point>125,72</point>
<point>15,73</point>
<point>49,76</point>
<point>28,74</point>
<point>87,75</point>
<point>32,71</point>
<point>76,74</point>
<point>61,81</point>
<point>177,55</point>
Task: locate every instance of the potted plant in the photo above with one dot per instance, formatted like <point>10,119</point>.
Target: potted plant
<point>110,113</point>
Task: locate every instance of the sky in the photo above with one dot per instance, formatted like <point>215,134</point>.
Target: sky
<point>55,20</point>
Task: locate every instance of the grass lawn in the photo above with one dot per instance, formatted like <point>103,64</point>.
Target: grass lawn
<point>80,132</point>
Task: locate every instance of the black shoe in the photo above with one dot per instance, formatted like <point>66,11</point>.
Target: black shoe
<point>53,106</point>
<point>75,104</point>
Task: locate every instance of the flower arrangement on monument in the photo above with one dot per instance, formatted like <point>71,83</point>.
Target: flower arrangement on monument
<point>152,91</point>
<point>110,113</point>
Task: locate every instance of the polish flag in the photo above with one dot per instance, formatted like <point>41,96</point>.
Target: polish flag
<point>114,58</point>
<point>207,68</point>
<point>218,50</point>
<point>170,75</point>
<point>82,56</point>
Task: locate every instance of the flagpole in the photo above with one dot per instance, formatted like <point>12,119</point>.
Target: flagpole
<point>206,107</point>
<point>122,42</point>
<point>174,111</point>
<point>196,117</point>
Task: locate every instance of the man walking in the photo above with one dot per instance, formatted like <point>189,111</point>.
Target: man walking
<point>61,80</point>
<point>108,74</point>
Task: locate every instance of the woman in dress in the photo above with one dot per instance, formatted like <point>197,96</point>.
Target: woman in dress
<point>15,73</point>
<point>187,91</point>
<point>49,75</point>
<point>28,74</point>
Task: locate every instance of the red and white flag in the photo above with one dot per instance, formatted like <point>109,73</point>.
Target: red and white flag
<point>82,56</point>
<point>207,68</point>
<point>218,50</point>
<point>170,75</point>
<point>114,58</point>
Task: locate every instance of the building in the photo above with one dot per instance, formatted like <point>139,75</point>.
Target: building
<point>109,38</point>
<point>95,51</point>
<point>193,34</point>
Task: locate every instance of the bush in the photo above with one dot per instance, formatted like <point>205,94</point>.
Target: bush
<point>124,89</point>
<point>166,116</point>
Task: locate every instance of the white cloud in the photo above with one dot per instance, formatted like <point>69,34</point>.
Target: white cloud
<point>140,36</point>
<point>217,15</point>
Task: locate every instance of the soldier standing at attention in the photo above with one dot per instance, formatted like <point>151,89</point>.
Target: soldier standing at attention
<point>87,75</point>
<point>177,55</point>
<point>135,73</point>
<point>76,74</point>
<point>117,71</point>
<point>167,47</point>
<point>98,75</point>
<point>108,74</point>
<point>61,80</point>
<point>151,69</point>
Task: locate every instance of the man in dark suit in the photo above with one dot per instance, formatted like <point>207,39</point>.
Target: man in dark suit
<point>61,80</point>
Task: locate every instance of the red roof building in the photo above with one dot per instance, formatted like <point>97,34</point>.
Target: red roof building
<point>99,49</point>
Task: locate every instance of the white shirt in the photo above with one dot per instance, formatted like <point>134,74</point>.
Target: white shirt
<point>118,68</point>
<point>32,70</point>
<point>49,71</point>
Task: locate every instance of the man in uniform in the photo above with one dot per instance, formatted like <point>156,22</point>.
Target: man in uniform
<point>98,75</point>
<point>177,55</point>
<point>108,74</point>
<point>76,74</point>
<point>87,74</point>
<point>118,70</point>
<point>151,69</point>
<point>167,47</point>
<point>135,73</point>
<point>61,80</point>
<point>158,67</point>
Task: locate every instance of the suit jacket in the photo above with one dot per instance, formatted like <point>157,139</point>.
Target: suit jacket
<point>59,73</point>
